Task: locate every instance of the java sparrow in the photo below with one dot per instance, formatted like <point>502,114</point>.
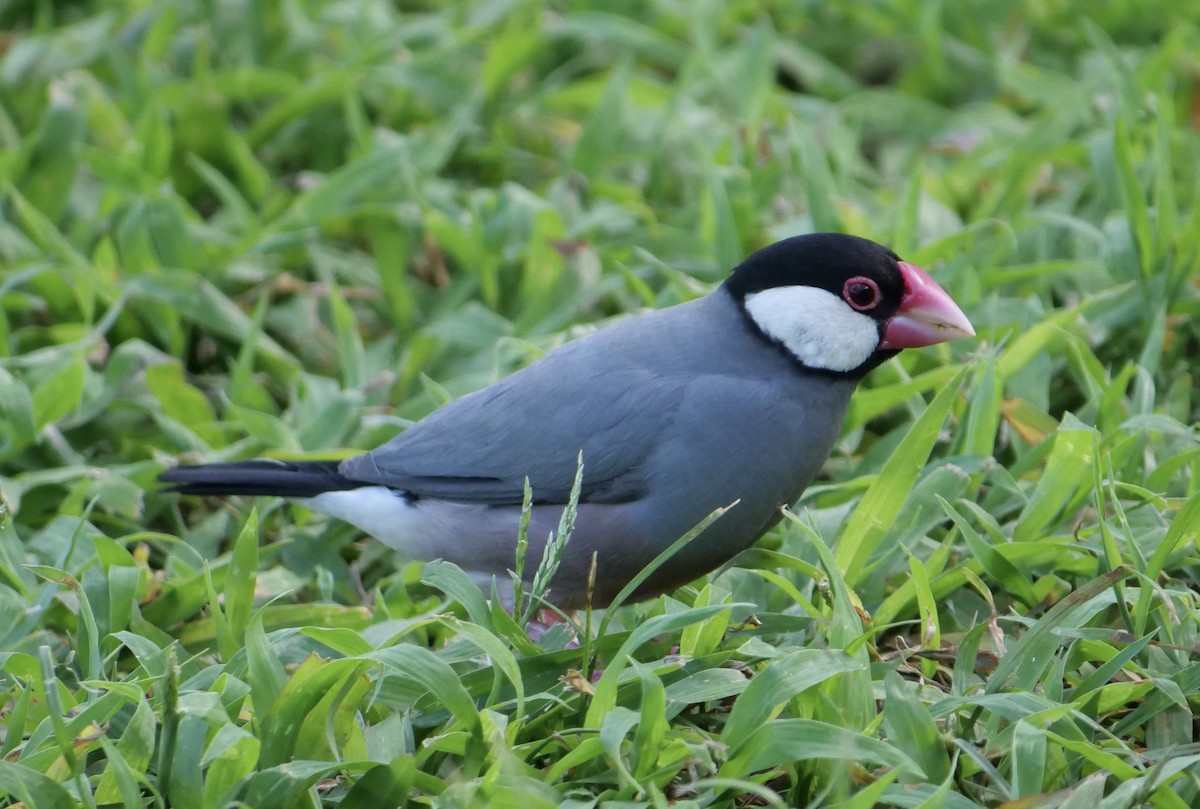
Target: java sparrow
<point>737,396</point>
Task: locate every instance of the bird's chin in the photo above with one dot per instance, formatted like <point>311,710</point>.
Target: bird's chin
<point>880,356</point>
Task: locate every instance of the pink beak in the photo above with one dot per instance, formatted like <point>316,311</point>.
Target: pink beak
<point>927,315</point>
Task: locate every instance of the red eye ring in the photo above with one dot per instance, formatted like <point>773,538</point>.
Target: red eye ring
<point>861,293</point>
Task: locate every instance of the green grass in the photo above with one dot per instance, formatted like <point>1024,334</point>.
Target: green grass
<point>237,229</point>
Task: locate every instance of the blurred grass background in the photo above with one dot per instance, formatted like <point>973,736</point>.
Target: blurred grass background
<point>231,229</point>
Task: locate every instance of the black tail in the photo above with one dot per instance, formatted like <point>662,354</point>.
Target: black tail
<point>279,478</point>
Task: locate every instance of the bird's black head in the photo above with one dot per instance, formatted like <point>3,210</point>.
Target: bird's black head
<point>841,305</point>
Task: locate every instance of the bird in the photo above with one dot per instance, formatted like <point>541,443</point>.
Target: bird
<point>732,400</point>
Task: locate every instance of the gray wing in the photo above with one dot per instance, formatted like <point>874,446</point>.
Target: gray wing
<point>534,424</point>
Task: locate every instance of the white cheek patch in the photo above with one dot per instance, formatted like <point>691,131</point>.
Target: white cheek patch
<point>816,326</point>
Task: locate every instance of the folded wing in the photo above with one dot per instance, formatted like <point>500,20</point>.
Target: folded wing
<point>534,424</point>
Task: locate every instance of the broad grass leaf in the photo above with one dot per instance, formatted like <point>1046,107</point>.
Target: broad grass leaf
<point>1088,794</point>
<point>231,757</point>
<point>1028,760</point>
<point>510,50</point>
<point>1100,758</point>
<point>622,33</point>
<point>283,785</point>
<point>168,233</point>
<point>589,750</point>
<point>880,506</point>
<point>25,705</point>
<point>124,588</point>
<point>719,225</point>
<point>328,87</point>
<point>852,694</point>
<point>1062,482</point>
<point>303,691</point>
<point>924,796</point>
<point>253,177</point>
<point>1136,206</point>
<point>52,153</point>
<point>784,741</point>
<point>874,402</point>
<point>1167,696</point>
<point>704,638</point>
<point>18,427</point>
<point>652,727</point>
<point>184,783</point>
<point>382,785</point>
<point>342,640</point>
<point>32,787</point>
<point>238,211</point>
<point>994,563</point>
<point>779,682</point>
<point>752,76</point>
<point>1103,673</point>
<point>1046,336</point>
<point>614,728</point>
<point>268,430</point>
<point>265,672</point>
<point>904,236</point>
<point>869,796</point>
<point>149,655</point>
<point>1031,424</point>
<point>450,579</point>
<point>983,412</point>
<point>503,659</point>
<point>58,394</point>
<point>433,674</point>
<point>179,400</point>
<point>1183,531</point>
<point>944,581</point>
<point>930,625</point>
<point>708,685</point>
<point>42,231</point>
<point>820,189</point>
<point>1116,696</point>
<point>241,580</point>
<point>601,136</point>
<point>390,247</point>
<point>606,688</point>
<point>334,732</point>
<point>120,781</point>
<point>197,301</point>
<point>133,750</point>
<point>351,358</point>
<point>276,616</point>
<point>1026,661</point>
<point>245,389</point>
<point>178,599</point>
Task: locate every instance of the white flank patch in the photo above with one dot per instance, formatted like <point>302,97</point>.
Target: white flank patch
<point>816,326</point>
<point>415,529</point>
<point>427,528</point>
<point>377,510</point>
<point>423,529</point>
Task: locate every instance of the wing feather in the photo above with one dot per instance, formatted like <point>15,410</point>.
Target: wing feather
<point>535,424</point>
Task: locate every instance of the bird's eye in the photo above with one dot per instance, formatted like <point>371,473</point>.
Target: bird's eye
<point>861,293</point>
